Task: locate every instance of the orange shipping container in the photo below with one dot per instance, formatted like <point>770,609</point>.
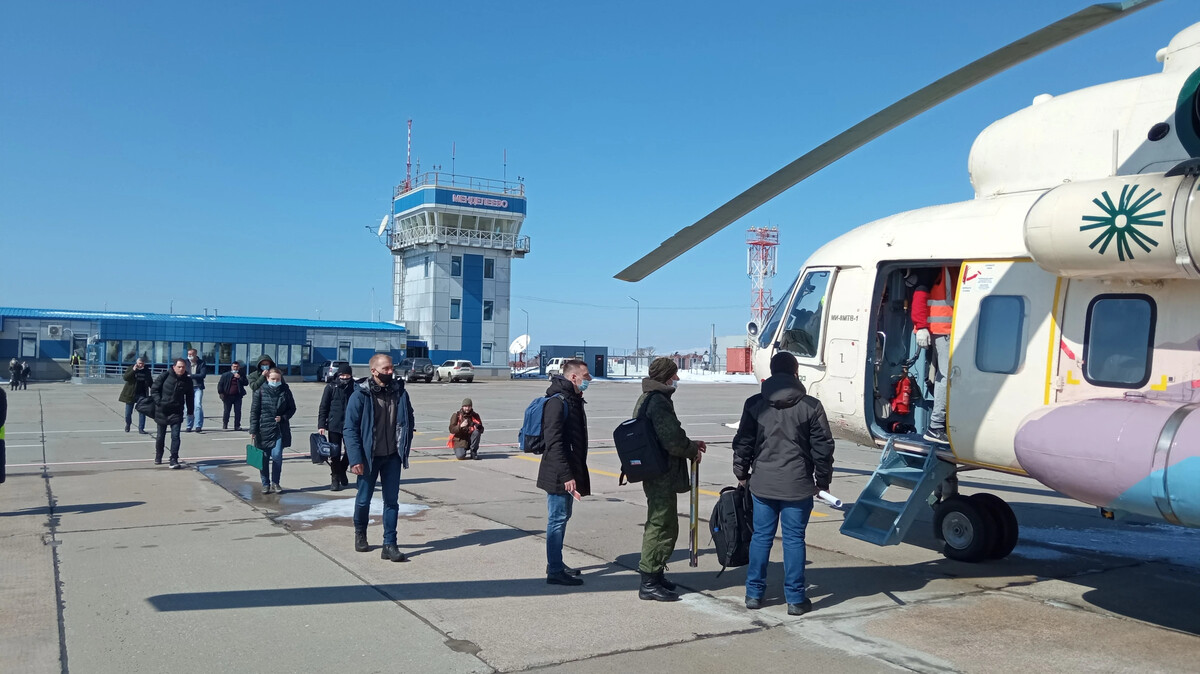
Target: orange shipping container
<point>737,360</point>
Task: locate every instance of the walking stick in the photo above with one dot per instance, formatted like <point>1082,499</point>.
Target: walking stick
<point>694,515</point>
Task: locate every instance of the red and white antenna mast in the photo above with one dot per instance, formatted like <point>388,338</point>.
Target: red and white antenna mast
<point>408,165</point>
<point>760,267</point>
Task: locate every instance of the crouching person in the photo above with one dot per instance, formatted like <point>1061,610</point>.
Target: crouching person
<point>783,451</point>
<point>662,508</point>
<point>466,430</point>
<point>378,434</point>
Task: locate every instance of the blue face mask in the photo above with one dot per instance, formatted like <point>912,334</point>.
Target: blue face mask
<point>273,384</point>
<point>264,368</point>
<point>583,385</point>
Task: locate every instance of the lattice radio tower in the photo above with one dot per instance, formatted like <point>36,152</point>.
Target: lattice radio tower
<point>760,267</point>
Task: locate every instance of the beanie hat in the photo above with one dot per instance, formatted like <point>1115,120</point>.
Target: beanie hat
<point>467,403</point>
<point>662,369</point>
<point>345,368</point>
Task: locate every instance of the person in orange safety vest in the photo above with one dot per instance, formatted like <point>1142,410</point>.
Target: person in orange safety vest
<point>932,315</point>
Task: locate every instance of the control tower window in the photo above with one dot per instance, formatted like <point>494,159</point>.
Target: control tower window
<point>455,309</point>
<point>488,309</point>
<point>456,265</point>
<point>489,267</point>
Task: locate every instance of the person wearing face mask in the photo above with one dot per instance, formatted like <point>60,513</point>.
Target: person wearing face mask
<point>270,427</point>
<point>662,510</point>
<point>232,388</point>
<point>172,394</point>
<point>138,381</point>
<point>466,430</point>
<point>378,433</point>
<point>331,418</point>
<point>563,473</point>
<point>258,374</point>
<point>197,370</point>
<point>783,452</point>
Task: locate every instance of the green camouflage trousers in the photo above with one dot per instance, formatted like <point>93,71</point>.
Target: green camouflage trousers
<point>662,525</point>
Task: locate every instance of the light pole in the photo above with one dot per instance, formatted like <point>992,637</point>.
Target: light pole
<point>526,322</point>
<point>637,335</point>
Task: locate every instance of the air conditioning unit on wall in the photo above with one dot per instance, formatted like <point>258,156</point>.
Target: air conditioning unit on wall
<point>54,331</point>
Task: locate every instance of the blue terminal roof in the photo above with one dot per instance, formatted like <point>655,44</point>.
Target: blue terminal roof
<point>64,314</point>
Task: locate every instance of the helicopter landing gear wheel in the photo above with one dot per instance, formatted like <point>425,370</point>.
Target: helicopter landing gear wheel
<point>1006,524</point>
<point>968,528</point>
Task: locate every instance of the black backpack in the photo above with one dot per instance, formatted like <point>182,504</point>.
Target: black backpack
<point>642,458</point>
<point>732,526</point>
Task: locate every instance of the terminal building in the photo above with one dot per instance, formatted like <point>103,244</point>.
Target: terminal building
<point>453,240</point>
<point>109,341</point>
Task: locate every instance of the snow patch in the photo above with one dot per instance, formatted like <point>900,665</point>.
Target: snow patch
<point>344,507</point>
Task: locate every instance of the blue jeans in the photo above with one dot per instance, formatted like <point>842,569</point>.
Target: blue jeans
<point>767,514</point>
<point>387,470</point>
<point>558,509</point>
<point>198,396</point>
<point>275,464</point>
<point>129,417</point>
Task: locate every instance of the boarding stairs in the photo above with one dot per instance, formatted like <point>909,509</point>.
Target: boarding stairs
<point>905,464</point>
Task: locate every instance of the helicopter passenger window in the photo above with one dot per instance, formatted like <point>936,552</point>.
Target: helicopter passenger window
<point>998,343</point>
<point>1117,344</point>
<point>802,331</point>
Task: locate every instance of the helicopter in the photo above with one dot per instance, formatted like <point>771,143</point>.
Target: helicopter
<point>1074,334</point>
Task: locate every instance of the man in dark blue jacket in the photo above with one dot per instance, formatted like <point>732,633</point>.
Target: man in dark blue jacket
<point>197,370</point>
<point>378,434</point>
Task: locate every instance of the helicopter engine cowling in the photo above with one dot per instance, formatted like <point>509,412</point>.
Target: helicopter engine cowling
<point>1126,227</point>
<point>1130,455</point>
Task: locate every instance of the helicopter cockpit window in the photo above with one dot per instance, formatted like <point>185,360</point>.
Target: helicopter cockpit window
<point>802,331</point>
<point>767,334</point>
<point>1117,345</point>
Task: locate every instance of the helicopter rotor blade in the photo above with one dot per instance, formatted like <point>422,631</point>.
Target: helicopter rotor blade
<point>885,120</point>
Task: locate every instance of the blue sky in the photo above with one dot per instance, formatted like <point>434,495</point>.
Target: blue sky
<point>230,155</point>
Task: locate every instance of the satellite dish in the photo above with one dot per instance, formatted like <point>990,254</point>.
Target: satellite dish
<point>519,344</point>
<point>382,226</point>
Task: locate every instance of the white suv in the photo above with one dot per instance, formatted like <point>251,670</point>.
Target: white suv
<point>555,366</point>
<point>456,370</point>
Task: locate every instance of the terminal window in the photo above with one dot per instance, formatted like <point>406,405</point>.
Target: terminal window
<point>28,345</point>
<point>455,309</point>
<point>456,265</point>
<point>486,355</point>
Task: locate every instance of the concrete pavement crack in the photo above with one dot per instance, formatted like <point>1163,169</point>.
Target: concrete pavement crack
<point>52,525</point>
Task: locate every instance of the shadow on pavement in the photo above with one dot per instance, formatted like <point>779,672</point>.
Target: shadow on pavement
<point>75,509</point>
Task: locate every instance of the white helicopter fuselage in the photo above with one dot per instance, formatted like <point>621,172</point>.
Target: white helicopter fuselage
<point>1075,343</point>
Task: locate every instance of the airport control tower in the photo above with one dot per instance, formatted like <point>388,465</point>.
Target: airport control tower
<point>453,239</point>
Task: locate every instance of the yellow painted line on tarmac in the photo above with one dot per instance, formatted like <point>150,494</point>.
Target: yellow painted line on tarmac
<point>596,471</point>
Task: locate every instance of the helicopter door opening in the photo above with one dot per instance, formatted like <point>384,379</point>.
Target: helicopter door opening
<point>901,379</point>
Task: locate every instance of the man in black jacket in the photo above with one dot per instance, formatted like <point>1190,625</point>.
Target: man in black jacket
<point>331,420</point>
<point>232,388</point>
<point>172,393</point>
<point>783,451</point>
<point>563,473</point>
<point>197,370</point>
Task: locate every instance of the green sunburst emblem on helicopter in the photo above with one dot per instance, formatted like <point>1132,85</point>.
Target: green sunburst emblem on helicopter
<point>1121,222</point>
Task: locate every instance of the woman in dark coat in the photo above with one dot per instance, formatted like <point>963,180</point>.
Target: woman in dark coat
<point>172,393</point>
<point>270,428</point>
<point>138,381</point>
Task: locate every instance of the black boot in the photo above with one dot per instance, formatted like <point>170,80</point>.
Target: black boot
<point>335,484</point>
<point>651,589</point>
<point>392,553</point>
<point>664,581</point>
<point>360,541</point>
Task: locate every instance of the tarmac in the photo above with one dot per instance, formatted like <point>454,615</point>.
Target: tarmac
<point>112,564</point>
